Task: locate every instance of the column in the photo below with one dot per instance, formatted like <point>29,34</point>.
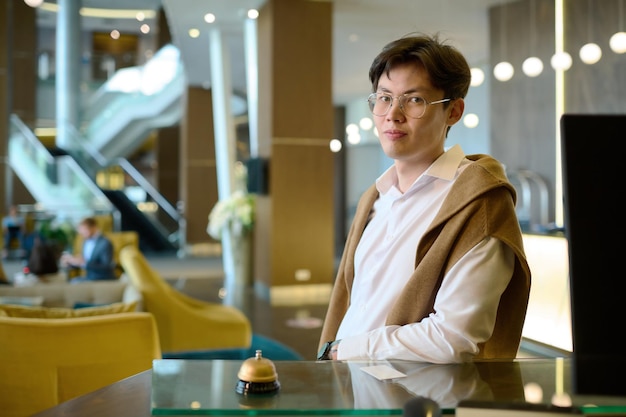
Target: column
<point>198,176</point>
<point>67,70</point>
<point>295,224</point>
<point>18,45</point>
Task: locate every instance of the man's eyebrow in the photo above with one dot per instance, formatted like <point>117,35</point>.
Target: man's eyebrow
<point>415,90</point>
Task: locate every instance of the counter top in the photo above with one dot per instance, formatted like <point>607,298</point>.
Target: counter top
<point>196,387</point>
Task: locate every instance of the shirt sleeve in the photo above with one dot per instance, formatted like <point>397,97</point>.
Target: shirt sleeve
<point>465,314</point>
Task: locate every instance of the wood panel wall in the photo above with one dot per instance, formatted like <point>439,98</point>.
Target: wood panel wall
<point>523,112</point>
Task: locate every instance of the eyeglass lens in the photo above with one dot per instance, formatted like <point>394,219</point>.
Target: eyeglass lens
<point>412,106</point>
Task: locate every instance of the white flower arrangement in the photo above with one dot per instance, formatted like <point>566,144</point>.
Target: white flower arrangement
<point>235,213</point>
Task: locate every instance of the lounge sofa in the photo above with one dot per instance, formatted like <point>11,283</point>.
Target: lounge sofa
<point>72,295</point>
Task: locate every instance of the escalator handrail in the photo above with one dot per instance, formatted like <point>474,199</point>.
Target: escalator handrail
<point>149,188</point>
<point>28,134</point>
<point>129,169</point>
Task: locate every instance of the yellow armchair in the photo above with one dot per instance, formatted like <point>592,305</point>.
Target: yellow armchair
<point>45,361</point>
<point>185,324</point>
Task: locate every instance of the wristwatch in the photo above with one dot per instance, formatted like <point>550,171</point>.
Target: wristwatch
<point>325,353</point>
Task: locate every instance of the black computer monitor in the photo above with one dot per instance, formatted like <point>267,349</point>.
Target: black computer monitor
<point>594,184</point>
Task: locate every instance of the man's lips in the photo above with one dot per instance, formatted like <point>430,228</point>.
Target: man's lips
<point>394,133</point>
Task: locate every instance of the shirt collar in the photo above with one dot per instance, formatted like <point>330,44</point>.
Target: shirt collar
<point>444,167</point>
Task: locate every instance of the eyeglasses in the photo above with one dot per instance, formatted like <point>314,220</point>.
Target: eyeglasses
<point>411,105</point>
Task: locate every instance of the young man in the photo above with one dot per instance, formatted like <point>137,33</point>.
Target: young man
<point>433,268</point>
<point>97,254</point>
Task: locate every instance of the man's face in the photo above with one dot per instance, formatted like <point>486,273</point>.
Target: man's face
<point>85,231</point>
<point>408,140</point>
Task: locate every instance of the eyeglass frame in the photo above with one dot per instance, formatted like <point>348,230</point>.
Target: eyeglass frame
<point>406,96</point>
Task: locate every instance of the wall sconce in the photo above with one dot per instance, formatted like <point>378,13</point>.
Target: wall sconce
<point>335,145</point>
<point>561,61</point>
<point>478,77</point>
<point>503,71</point>
<point>354,137</point>
<point>618,40</point>
<point>532,66</point>
<point>471,120</point>
<point>366,123</point>
<point>590,53</point>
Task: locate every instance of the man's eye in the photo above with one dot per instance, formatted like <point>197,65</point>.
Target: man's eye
<point>384,98</point>
<point>415,100</point>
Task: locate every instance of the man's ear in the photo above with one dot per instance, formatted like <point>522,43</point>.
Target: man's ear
<point>457,107</point>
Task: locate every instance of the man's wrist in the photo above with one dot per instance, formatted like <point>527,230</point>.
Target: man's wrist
<point>328,351</point>
<point>334,349</point>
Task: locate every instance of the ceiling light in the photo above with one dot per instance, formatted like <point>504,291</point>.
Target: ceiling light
<point>352,128</point>
<point>561,61</point>
<point>532,66</point>
<point>103,13</point>
<point>253,14</point>
<point>366,123</point>
<point>503,71</point>
<point>33,3</point>
<point>335,145</point>
<point>115,34</point>
<point>478,77</point>
<point>618,42</point>
<point>209,18</point>
<point>354,138</point>
<point>590,53</point>
<point>145,28</point>
<point>194,33</point>
<point>471,120</point>
<point>141,16</point>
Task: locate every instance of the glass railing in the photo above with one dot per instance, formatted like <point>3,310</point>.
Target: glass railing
<point>58,183</point>
<point>161,214</point>
<point>158,210</point>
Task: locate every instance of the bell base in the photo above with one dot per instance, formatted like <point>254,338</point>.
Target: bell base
<point>247,387</point>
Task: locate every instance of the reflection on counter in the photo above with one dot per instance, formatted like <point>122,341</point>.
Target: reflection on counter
<point>184,387</point>
<point>548,319</point>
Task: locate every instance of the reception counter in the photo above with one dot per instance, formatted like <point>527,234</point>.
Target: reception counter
<point>353,388</point>
<point>196,387</point>
<point>548,318</point>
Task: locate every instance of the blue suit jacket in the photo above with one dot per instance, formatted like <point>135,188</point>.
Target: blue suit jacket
<point>100,265</point>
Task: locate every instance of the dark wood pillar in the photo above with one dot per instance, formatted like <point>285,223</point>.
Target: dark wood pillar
<point>167,149</point>
<point>198,174</point>
<point>295,228</point>
<point>18,86</point>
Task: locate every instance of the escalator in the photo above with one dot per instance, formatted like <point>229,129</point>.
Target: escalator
<point>64,184</point>
<point>116,122</point>
<point>152,238</point>
<point>133,103</point>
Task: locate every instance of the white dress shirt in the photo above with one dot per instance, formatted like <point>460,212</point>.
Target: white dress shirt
<point>88,247</point>
<point>466,304</point>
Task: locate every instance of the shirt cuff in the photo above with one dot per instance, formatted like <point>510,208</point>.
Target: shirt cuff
<point>353,347</point>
